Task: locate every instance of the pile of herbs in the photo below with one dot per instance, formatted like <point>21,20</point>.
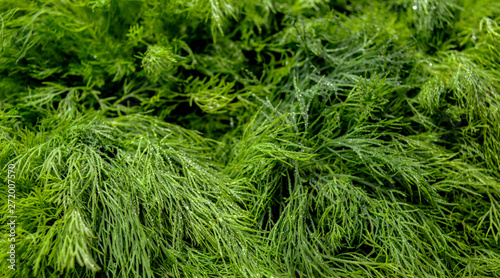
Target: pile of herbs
<point>251,138</point>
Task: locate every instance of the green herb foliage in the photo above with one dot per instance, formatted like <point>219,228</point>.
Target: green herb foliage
<point>268,138</point>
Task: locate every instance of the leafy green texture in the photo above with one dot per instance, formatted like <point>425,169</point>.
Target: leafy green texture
<point>221,138</point>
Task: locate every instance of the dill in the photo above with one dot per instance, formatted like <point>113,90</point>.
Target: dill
<point>221,138</point>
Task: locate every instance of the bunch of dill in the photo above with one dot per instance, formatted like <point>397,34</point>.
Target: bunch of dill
<point>250,138</point>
